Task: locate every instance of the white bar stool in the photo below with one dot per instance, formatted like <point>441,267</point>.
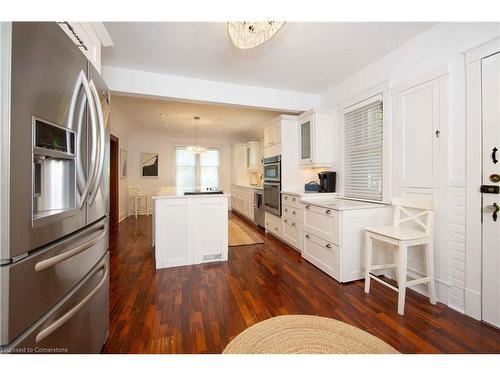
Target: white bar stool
<point>402,238</point>
<point>136,195</point>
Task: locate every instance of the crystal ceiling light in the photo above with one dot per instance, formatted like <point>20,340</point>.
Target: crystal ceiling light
<point>197,149</point>
<point>246,34</point>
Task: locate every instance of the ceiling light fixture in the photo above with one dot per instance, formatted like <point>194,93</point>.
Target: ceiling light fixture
<point>163,115</point>
<point>247,35</point>
<point>197,149</point>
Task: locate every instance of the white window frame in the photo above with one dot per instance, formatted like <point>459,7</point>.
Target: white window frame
<point>381,90</point>
<point>197,166</point>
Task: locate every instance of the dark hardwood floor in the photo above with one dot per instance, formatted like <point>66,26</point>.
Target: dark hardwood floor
<point>199,309</point>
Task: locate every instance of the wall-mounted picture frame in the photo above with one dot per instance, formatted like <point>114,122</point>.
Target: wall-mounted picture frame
<point>123,163</point>
<point>149,165</point>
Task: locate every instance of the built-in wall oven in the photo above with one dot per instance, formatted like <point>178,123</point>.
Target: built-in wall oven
<point>272,185</point>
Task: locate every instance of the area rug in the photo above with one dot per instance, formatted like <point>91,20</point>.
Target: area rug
<point>239,235</point>
<point>306,334</point>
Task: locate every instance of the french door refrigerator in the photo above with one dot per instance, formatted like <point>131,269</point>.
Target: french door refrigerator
<point>54,171</point>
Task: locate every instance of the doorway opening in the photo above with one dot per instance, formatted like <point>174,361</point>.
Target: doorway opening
<point>114,211</point>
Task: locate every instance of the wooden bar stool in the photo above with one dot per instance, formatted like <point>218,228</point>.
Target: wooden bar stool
<point>421,213</point>
<point>136,195</point>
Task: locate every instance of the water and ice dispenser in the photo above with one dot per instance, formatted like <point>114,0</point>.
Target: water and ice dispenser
<point>54,157</point>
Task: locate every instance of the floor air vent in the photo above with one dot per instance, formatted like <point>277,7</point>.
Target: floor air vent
<point>212,256</point>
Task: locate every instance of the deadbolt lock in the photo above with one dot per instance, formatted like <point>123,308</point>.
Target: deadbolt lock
<point>495,177</point>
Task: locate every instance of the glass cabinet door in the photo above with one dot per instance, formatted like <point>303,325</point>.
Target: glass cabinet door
<point>305,141</point>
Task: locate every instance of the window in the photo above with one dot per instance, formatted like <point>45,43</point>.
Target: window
<point>363,150</point>
<point>196,171</point>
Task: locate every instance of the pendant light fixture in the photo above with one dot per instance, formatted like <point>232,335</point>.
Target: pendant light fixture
<point>197,148</point>
<point>245,34</point>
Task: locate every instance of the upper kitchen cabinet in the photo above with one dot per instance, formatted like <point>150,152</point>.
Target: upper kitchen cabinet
<point>89,37</point>
<point>272,135</point>
<point>316,139</point>
<point>254,156</point>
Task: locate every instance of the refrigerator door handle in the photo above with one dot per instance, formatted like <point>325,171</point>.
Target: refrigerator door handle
<point>102,141</point>
<point>63,319</point>
<point>82,82</point>
<point>50,262</point>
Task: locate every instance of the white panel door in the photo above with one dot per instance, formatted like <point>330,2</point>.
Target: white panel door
<point>491,202</point>
<point>416,135</point>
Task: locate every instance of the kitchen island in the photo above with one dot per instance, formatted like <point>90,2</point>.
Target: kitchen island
<point>190,229</point>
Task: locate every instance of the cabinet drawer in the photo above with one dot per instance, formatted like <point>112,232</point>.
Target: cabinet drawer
<point>293,213</point>
<point>290,200</point>
<point>322,222</point>
<point>323,254</point>
<point>273,224</point>
<point>291,232</point>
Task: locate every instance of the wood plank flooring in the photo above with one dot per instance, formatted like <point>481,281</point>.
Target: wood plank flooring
<point>199,309</point>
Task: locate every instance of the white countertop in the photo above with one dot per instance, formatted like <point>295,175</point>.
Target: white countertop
<point>257,187</point>
<point>309,193</point>
<point>172,193</point>
<point>339,204</point>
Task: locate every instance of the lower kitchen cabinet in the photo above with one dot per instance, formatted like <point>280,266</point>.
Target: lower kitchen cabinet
<point>333,240</point>
<point>242,200</point>
<point>273,224</point>
<point>323,254</point>
<point>291,232</point>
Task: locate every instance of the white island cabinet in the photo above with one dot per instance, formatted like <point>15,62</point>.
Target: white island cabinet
<point>190,229</point>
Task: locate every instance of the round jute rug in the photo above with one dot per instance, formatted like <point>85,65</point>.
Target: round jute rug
<point>306,334</point>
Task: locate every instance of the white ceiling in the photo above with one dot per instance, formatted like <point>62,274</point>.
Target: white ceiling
<point>307,57</point>
<point>217,123</point>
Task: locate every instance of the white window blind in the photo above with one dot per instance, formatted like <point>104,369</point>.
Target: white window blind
<point>363,150</point>
<point>196,171</point>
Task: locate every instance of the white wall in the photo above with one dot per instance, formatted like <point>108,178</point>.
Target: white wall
<point>136,82</point>
<point>441,47</point>
<point>140,142</point>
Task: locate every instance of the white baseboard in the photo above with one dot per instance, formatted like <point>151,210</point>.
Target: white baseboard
<point>473,303</point>
<point>123,216</point>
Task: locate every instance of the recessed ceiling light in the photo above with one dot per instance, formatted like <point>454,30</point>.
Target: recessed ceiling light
<point>248,121</point>
<point>163,115</point>
<point>166,125</point>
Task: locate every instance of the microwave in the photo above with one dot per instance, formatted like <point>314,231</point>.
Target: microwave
<point>272,169</point>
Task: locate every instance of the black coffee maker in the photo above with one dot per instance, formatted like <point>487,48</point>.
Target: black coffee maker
<point>327,182</point>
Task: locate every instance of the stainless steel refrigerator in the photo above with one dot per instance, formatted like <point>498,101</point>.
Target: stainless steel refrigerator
<point>54,171</point>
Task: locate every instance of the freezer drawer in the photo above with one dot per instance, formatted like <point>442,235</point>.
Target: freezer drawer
<point>77,324</point>
<point>35,284</point>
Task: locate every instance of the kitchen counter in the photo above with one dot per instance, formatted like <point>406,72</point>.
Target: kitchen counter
<point>338,203</point>
<point>309,193</point>
<point>257,187</point>
<point>189,229</point>
<point>175,193</point>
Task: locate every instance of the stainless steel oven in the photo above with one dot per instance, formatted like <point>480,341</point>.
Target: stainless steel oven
<point>272,197</point>
<point>272,185</point>
<point>272,169</point>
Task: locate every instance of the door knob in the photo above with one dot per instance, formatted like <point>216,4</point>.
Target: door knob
<point>495,177</point>
<point>493,209</point>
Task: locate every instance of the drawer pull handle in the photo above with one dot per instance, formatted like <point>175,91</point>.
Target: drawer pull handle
<point>294,199</point>
<point>293,224</point>
<point>286,221</point>
<point>308,207</point>
<point>308,236</point>
<point>286,209</point>
<point>50,262</point>
<point>328,212</point>
<point>72,312</point>
<point>294,212</point>
<point>286,197</point>
<point>328,246</point>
